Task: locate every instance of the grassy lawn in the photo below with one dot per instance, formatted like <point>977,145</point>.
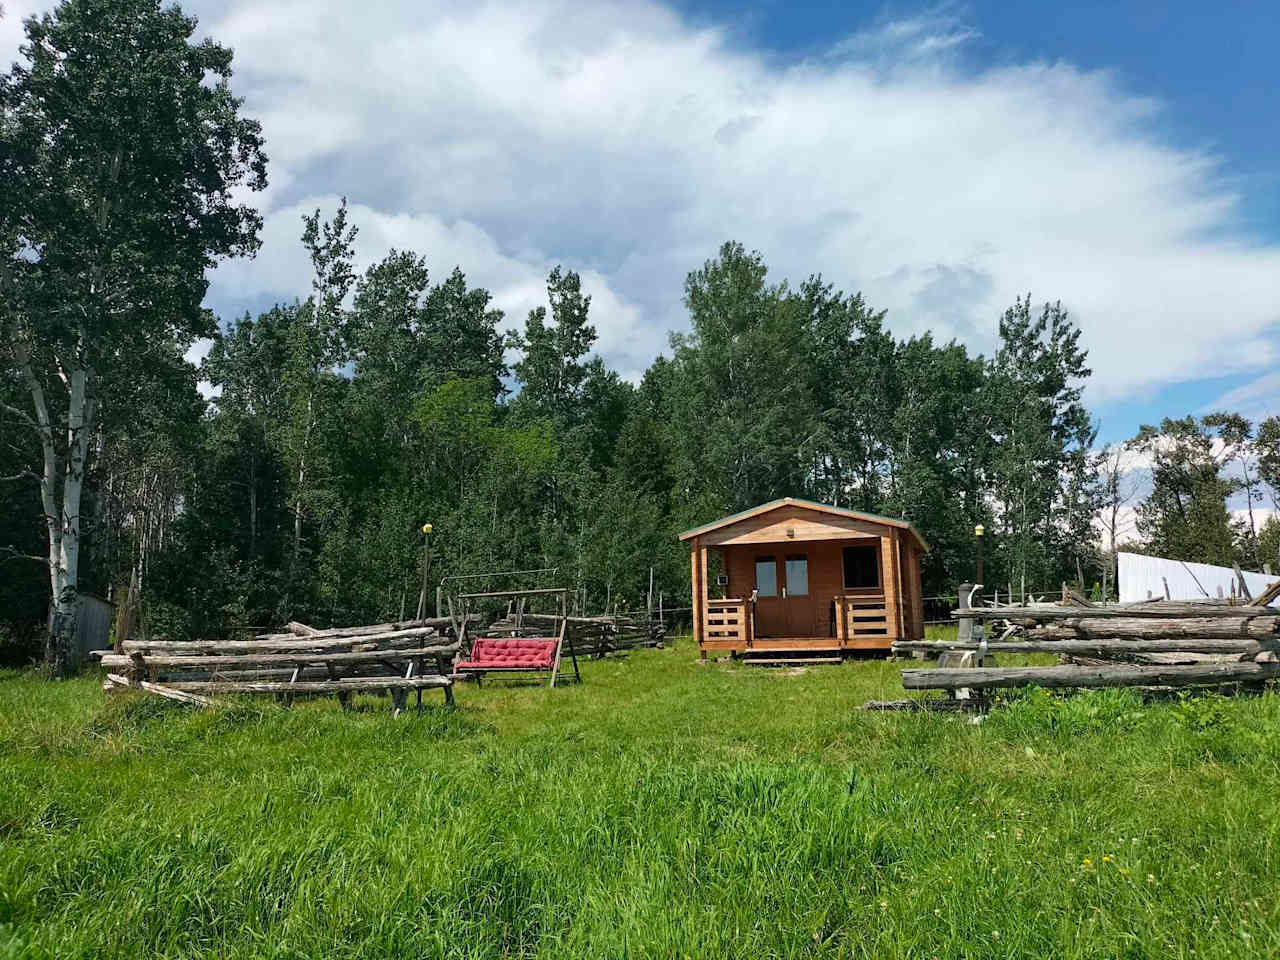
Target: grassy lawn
<point>663,809</point>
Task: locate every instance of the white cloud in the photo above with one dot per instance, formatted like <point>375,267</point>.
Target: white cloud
<point>1126,527</point>
<point>892,43</point>
<point>1127,522</point>
<point>11,36</point>
<point>195,356</point>
<point>619,140</point>
<point>518,284</point>
<point>1257,399</point>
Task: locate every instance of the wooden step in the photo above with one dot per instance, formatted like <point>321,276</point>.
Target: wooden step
<point>789,644</point>
<point>793,651</point>
<point>792,660</point>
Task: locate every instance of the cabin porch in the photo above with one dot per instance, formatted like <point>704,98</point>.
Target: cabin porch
<point>862,621</point>
<point>796,577</point>
<point>834,596</point>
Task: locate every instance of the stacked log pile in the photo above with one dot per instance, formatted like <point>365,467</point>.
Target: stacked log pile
<point>1149,644</point>
<point>590,636</point>
<point>300,661</point>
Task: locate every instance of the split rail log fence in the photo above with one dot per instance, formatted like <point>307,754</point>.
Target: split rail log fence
<point>391,657</point>
<point>591,636</point>
<point>1111,675</point>
<point>1156,643</point>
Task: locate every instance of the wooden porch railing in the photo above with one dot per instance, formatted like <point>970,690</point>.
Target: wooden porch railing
<point>728,620</point>
<point>864,617</point>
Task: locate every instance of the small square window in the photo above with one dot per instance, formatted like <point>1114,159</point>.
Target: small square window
<point>861,567</point>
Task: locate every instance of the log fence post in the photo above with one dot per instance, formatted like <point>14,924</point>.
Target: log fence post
<point>137,669</point>
<point>969,630</point>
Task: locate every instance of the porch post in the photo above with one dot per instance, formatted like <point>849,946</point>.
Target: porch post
<point>697,575</point>
<point>902,593</point>
<point>889,577</point>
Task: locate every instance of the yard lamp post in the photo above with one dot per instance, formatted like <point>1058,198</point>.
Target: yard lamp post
<point>977,533</point>
<point>426,566</point>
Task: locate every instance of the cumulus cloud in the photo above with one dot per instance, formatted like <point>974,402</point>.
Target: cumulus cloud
<point>282,269</point>
<point>620,140</point>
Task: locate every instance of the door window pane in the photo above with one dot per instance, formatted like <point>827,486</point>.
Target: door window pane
<point>861,567</point>
<point>797,576</point>
<point>766,577</point>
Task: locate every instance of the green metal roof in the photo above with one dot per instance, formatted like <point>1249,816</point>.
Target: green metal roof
<point>811,504</point>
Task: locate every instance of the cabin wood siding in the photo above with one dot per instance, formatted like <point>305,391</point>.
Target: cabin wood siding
<point>829,610</point>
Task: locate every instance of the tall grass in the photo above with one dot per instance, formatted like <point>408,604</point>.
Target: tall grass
<point>663,808</point>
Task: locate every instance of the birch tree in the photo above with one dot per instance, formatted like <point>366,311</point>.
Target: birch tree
<point>123,156</point>
<point>1119,484</point>
<point>1235,433</point>
<point>315,352</point>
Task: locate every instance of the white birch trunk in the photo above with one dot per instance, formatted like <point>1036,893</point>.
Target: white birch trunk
<point>62,520</point>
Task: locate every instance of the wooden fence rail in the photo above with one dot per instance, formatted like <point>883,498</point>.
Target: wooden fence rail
<point>1111,675</point>
<point>392,657</point>
<point>1158,643</point>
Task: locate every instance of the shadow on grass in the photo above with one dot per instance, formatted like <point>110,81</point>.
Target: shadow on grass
<point>126,713</point>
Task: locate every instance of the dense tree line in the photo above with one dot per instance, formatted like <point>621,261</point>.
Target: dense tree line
<point>342,420</point>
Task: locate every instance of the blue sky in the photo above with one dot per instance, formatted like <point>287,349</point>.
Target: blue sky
<point>943,159</point>
<point>1212,64</point>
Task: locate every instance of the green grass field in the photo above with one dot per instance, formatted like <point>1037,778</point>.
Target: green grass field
<point>663,809</point>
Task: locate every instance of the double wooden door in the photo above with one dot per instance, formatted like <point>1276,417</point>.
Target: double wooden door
<point>783,606</point>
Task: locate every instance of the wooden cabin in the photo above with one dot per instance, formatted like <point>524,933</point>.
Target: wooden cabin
<point>799,578</point>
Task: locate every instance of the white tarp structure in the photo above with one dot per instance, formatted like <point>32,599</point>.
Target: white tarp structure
<point>1142,577</point>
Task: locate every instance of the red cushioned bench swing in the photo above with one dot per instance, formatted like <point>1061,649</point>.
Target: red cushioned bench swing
<point>516,654</point>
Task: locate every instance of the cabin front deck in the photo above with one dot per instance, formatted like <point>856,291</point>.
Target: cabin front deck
<point>794,579</point>
<point>861,622</point>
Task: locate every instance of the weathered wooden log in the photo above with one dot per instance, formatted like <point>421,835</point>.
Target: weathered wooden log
<point>319,672</point>
<point>213,661</point>
<point>1154,629</point>
<point>162,675</point>
<point>272,646</point>
<point>617,623</point>
<point>1154,658</point>
<point>169,693</point>
<point>438,622</point>
<point>1268,595</point>
<point>1107,676</point>
<point>1098,648</point>
<point>311,686</point>
<point>275,646</point>
<point>1163,609</point>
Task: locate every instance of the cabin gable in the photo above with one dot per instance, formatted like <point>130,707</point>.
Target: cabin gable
<point>793,522</point>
